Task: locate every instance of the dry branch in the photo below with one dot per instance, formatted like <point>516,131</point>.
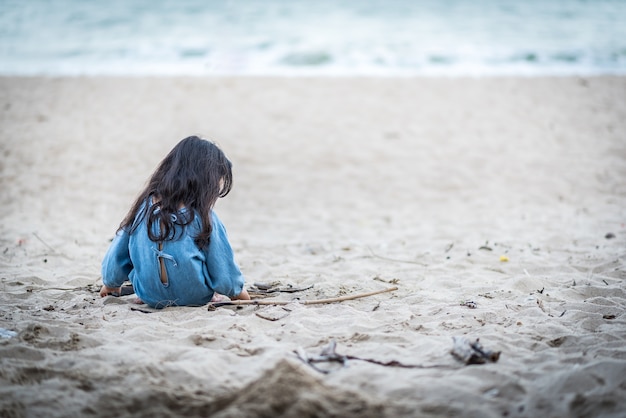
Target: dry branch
<point>303,302</point>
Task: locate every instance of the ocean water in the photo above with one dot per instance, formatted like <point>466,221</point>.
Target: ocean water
<point>309,37</point>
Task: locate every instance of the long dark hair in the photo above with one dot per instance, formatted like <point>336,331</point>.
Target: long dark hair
<point>194,174</point>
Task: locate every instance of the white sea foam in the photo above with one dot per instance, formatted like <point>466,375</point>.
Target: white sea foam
<point>278,37</point>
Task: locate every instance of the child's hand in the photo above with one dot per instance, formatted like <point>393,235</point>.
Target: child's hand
<point>242,296</point>
<point>105,291</point>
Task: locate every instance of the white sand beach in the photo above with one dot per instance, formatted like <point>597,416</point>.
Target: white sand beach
<point>497,206</point>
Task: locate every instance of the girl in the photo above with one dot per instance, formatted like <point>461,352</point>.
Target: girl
<point>171,245</point>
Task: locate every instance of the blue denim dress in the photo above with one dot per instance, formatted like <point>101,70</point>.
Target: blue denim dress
<point>193,275</point>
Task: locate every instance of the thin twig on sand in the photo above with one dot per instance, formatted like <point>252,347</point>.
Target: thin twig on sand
<point>303,302</point>
<point>44,243</point>
<point>396,260</point>
<point>330,355</point>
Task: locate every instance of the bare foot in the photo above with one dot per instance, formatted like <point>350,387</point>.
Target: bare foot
<point>106,291</point>
<point>219,298</point>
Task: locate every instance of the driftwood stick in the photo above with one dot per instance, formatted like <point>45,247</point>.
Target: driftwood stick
<point>349,297</point>
<point>304,302</point>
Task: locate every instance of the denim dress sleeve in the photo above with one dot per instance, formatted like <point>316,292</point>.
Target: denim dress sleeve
<point>116,265</point>
<point>224,274</point>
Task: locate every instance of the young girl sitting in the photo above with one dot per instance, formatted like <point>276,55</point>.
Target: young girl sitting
<point>172,246</point>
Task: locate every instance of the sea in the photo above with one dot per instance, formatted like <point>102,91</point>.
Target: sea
<point>385,38</point>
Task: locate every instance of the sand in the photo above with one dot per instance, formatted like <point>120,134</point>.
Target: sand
<point>349,185</point>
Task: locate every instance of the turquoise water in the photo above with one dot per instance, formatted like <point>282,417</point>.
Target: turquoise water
<point>280,37</point>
